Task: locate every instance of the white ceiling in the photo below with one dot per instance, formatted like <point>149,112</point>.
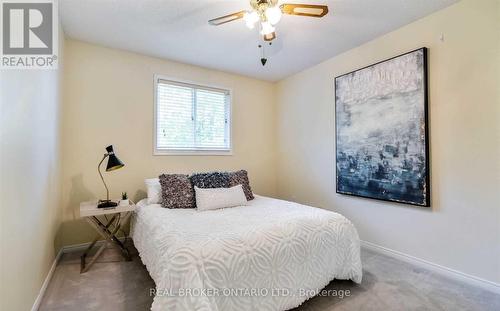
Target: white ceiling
<point>178,30</point>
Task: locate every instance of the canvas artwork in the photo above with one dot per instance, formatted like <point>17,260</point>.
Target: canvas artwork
<point>381,130</point>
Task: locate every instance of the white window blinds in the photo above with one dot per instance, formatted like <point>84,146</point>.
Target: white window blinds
<point>191,118</point>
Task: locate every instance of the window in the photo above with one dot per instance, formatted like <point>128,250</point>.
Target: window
<point>191,119</point>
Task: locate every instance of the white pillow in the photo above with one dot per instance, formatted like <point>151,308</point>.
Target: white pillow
<point>215,198</point>
<point>154,190</point>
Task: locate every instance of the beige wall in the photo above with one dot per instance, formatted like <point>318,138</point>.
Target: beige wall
<point>462,230</point>
<point>30,181</point>
<point>109,100</point>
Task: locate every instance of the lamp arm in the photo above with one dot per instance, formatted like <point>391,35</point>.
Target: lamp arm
<point>99,170</point>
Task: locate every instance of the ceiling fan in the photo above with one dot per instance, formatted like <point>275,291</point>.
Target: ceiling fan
<point>268,14</point>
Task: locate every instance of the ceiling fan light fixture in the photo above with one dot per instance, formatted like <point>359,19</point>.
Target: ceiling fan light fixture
<point>250,25</point>
<point>268,14</point>
<point>251,18</point>
<point>273,14</point>
<point>267,28</point>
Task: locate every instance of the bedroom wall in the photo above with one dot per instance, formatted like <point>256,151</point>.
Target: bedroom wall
<point>109,100</point>
<point>30,180</point>
<point>462,229</point>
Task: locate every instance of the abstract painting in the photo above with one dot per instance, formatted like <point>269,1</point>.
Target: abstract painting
<point>381,130</point>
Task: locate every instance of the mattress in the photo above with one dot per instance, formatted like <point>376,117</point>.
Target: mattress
<point>268,255</point>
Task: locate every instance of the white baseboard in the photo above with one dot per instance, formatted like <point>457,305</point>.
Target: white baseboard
<point>46,282</point>
<point>448,272</point>
<point>80,247</point>
<point>63,250</point>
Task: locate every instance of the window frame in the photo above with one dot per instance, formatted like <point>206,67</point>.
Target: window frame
<point>190,152</point>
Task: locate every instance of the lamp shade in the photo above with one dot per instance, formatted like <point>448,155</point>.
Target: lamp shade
<point>113,162</point>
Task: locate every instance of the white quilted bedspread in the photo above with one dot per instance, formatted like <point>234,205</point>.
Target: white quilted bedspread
<point>269,255</point>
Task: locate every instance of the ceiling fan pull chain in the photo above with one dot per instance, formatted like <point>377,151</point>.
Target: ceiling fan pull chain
<point>263,58</point>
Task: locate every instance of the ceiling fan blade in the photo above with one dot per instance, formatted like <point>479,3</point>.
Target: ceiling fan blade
<point>310,10</point>
<point>226,18</point>
<point>270,37</point>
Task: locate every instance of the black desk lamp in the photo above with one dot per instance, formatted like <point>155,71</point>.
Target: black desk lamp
<point>113,164</point>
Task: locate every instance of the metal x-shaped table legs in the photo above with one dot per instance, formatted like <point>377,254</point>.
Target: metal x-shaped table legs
<point>109,237</point>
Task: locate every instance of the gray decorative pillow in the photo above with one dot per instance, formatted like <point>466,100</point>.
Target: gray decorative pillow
<point>210,180</point>
<point>176,191</point>
<point>241,178</point>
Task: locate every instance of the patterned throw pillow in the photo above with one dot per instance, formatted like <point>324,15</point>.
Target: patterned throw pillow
<point>177,191</point>
<point>241,178</point>
<point>210,180</point>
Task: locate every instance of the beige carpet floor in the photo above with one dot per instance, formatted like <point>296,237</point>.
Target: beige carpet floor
<point>388,284</point>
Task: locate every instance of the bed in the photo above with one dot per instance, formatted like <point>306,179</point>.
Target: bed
<point>268,255</point>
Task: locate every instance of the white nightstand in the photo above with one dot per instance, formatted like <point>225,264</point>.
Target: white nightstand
<point>119,216</point>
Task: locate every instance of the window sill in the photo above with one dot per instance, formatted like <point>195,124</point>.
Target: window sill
<point>193,152</point>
